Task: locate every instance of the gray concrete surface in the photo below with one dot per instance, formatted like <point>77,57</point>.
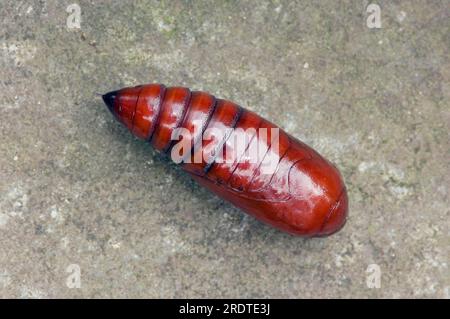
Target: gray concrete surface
<point>77,189</point>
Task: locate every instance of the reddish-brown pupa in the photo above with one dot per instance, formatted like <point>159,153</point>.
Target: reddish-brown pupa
<point>303,195</point>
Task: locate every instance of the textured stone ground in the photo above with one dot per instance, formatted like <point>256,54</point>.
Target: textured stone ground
<point>77,189</point>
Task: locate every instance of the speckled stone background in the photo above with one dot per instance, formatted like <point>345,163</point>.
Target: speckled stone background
<point>77,189</point>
